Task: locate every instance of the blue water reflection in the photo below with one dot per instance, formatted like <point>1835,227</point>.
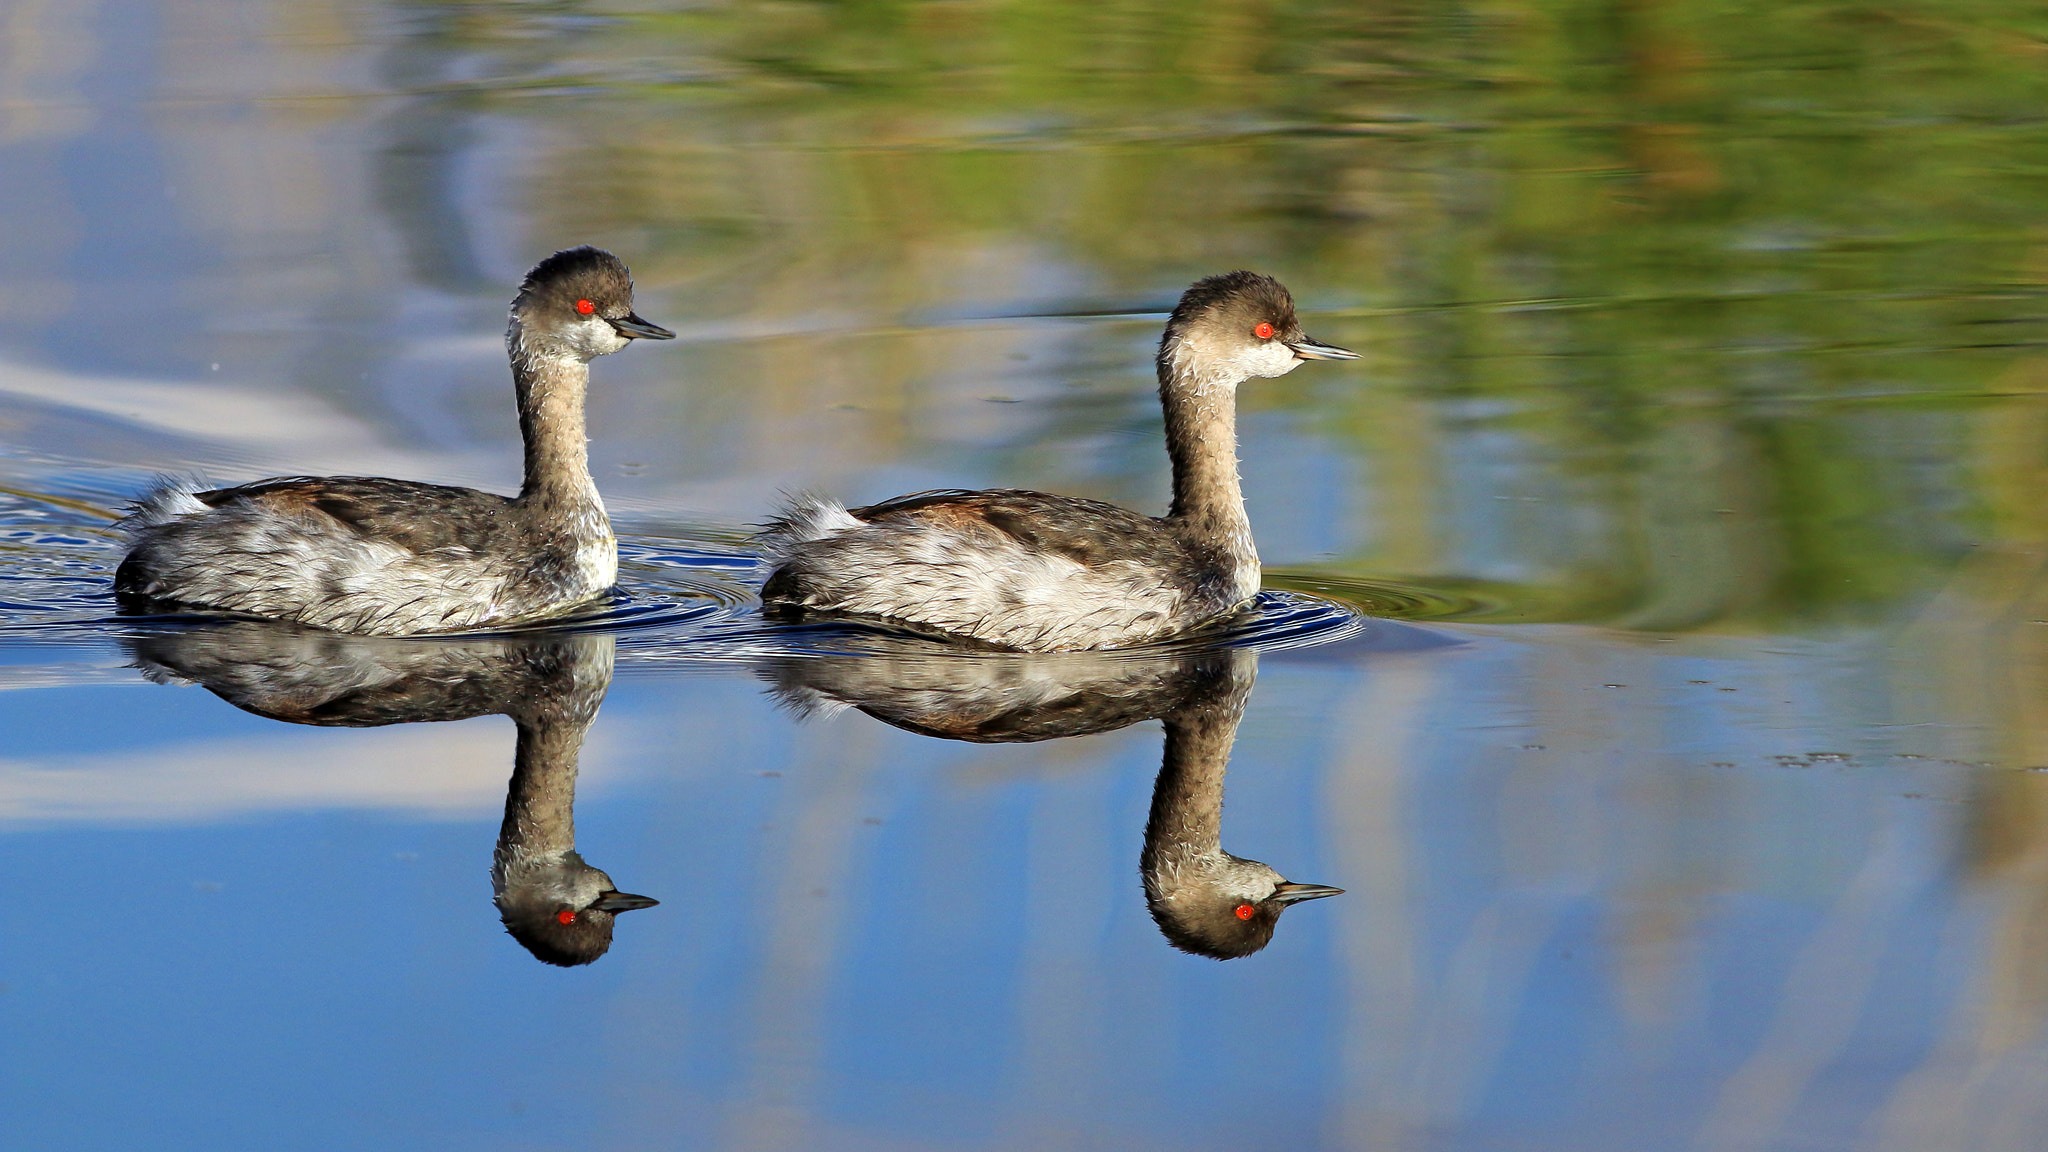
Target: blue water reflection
<point>889,938</point>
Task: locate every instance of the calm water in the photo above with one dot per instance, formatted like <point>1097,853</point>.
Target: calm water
<point>1656,646</point>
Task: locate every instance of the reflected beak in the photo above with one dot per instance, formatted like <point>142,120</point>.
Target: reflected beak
<point>1307,349</point>
<point>631,325</point>
<point>1291,893</point>
<point>616,902</point>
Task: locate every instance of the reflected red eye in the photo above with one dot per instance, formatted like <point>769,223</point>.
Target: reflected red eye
<point>1246,911</point>
<point>565,917</point>
<point>586,307</point>
<point>1264,332</point>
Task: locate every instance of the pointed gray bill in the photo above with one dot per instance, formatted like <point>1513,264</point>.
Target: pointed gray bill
<point>1307,349</point>
<point>1292,893</point>
<point>631,325</point>
<point>616,902</point>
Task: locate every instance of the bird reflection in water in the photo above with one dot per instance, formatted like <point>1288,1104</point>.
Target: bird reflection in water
<point>559,907</point>
<point>1205,900</point>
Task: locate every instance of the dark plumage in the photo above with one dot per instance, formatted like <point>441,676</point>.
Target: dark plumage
<point>396,557</point>
<point>1038,572</point>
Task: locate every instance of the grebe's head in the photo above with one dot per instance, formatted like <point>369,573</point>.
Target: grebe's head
<point>578,302</point>
<point>1222,907</point>
<point>561,909</point>
<point>1234,326</point>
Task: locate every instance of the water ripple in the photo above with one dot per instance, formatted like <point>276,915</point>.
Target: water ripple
<point>1396,599</point>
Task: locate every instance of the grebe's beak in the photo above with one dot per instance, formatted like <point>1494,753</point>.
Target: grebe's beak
<point>1292,893</point>
<point>617,902</point>
<point>1307,349</point>
<point>631,325</point>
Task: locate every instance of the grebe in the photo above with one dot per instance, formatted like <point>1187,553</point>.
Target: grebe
<point>1050,573</point>
<point>394,557</point>
<point>560,908</point>
<point>1205,900</point>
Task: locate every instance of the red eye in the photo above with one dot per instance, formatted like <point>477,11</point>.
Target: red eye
<point>586,307</point>
<point>1246,911</point>
<point>1264,332</point>
<point>565,916</point>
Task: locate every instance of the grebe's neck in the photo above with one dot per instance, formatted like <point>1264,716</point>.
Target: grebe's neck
<point>536,853</point>
<point>540,806</point>
<point>1201,440</point>
<point>1184,832</point>
<point>550,384</point>
<point>552,717</point>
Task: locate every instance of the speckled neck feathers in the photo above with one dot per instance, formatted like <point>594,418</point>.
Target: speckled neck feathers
<point>552,718</point>
<point>1186,821</point>
<point>540,810</point>
<point>550,385</point>
<point>1202,360</point>
<point>1201,441</point>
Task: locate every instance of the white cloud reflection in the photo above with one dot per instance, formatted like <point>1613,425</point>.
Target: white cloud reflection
<point>434,771</point>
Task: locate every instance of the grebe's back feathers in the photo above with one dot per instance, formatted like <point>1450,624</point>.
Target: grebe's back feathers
<point>1084,531</point>
<point>416,516</point>
<point>1088,532</point>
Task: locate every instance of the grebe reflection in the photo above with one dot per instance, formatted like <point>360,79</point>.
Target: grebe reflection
<point>556,905</point>
<point>1205,900</point>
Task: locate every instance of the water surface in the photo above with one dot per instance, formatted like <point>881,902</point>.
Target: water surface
<point>1655,624</point>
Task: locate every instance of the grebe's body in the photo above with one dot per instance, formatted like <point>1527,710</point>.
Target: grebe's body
<point>394,557</point>
<point>367,555</point>
<point>1044,573</point>
<point>1023,570</point>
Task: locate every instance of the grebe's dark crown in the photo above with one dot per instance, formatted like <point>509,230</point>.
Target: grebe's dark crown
<point>580,282</point>
<point>579,273</point>
<point>1252,295</point>
<point>1237,312</point>
<point>1215,932</point>
<point>1225,929</point>
<point>579,940</point>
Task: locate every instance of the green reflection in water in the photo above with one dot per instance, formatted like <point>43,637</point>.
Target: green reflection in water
<point>1675,315</point>
<point>1742,284</point>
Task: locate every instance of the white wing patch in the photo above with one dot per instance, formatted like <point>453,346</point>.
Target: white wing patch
<point>168,501</point>
<point>805,518</point>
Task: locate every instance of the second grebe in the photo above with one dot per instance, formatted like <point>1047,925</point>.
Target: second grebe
<point>1047,573</point>
<point>394,557</point>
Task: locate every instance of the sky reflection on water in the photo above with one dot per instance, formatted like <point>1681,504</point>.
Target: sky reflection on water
<point>1698,438</point>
